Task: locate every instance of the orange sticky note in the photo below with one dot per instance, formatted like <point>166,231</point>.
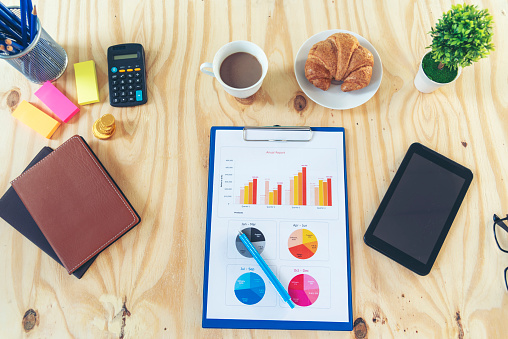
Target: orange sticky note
<point>36,119</point>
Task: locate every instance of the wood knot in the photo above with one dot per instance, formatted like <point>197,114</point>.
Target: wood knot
<point>360,328</point>
<point>29,320</point>
<point>13,99</point>
<point>246,101</point>
<point>299,103</point>
<point>464,143</point>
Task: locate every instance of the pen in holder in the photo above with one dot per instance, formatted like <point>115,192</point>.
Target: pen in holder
<point>42,60</point>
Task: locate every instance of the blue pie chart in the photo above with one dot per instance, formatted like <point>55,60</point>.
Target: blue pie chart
<point>250,288</point>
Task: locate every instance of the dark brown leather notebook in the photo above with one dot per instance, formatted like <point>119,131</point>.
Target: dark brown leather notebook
<point>75,203</point>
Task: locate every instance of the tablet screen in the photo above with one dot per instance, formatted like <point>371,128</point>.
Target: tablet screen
<point>419,207</point>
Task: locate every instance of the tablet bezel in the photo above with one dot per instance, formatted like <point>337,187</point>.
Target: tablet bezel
<point>395,253</point>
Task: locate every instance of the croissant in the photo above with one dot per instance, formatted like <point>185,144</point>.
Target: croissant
<point>339,57</point>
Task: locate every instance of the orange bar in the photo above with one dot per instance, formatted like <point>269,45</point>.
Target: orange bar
<point>325,193</point>
<point>250,192</point>
<point>275,197</point>
<point>300,188</point>
<point>296,189</point>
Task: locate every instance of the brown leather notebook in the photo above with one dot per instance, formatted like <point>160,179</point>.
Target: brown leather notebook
<point>75,203</point>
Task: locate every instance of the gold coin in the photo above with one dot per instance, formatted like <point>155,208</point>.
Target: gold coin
<point>108,120</point>
<point>97,132</point>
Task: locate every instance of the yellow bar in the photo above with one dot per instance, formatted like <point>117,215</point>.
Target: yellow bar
<point>86,82</point>
<point>300,188</point>
<point>246,195</point>
<point>270,199</point>
<point>296,190</point>
<point>251,191</point>
<point>321,198</point>
<point>36,119</point>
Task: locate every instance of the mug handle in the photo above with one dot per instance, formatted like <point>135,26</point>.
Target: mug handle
<point>206,65</point>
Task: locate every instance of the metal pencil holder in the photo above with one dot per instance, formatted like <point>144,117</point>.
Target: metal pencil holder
<point>43,60</point>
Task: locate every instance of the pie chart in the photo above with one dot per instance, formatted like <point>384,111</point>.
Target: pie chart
<point>257,239</point>
<point>302,244</point>
<point>303,289</point>
<point>249,288</point>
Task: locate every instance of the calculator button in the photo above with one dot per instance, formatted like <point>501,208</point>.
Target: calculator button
<point>114,82</point>
<point>116,100</point>
<point>114,88</point>
<point>114,76</point>
<point>130,81</point>
<point>124,100</point>
<point>122,71</point>
<point>114,69</point>
<point>131,92</point>
<point>130,75</point>
<point>137,69</point>
<point>129,70</point>
<point>139,86</point>
<point>122,94</point>
<point>138,75</point>
<point>131,99</point>
<point>130,87</point>
<point>122,82</point>
<point>115,94</point>
<point>122,76</point>
<point>122,88</point>
<point>138,80</point>
<point>139,95</point>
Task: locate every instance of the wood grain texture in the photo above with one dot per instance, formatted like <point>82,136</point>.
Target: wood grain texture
<point>149,284</point>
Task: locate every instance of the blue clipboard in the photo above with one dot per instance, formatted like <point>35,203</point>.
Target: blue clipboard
<point>297,134</point>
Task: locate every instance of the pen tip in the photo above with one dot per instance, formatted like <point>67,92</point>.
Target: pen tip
<point>240,232</point>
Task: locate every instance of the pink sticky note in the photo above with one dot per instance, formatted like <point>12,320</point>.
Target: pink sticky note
<point>56,101</point>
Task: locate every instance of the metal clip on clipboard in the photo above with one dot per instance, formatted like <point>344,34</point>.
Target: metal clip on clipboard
<point>277,133</point>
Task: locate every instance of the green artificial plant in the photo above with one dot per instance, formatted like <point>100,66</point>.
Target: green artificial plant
<point>462,36</point>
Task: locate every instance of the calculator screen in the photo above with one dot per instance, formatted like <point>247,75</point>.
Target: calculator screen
<point>125,56</point>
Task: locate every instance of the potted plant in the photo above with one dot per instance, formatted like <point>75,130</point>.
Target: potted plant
<point>462,36</point>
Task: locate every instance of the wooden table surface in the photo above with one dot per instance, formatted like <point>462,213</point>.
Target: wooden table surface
<point>149,283</point>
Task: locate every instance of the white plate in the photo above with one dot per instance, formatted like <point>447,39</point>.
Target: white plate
<point>334,98</point>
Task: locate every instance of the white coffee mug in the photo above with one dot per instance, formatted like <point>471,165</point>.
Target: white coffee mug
<point>227,50</point>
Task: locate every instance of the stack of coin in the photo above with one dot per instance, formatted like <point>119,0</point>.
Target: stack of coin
<point>104,127</point>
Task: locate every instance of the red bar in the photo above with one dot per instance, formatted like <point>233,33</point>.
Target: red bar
<point>279,193</point>
<point>329,181</point>
<point>254,191</point>
<point>304,187</point>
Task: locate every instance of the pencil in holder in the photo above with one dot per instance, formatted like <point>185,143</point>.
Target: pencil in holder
<point>42,60</point>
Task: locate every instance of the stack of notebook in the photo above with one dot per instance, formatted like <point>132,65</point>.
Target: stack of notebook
<point>67,204</point>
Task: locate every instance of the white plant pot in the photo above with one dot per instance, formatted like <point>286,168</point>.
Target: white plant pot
<point>425,85</point>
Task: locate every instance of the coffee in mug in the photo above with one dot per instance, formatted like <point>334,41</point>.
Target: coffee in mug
<point>240,70</point>
<point>240,67</point>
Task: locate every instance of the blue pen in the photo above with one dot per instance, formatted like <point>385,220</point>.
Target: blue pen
<point>24,33</point>
<point>261,262</point>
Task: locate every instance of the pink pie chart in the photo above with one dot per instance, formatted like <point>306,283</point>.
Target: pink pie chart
<point>303,289</point>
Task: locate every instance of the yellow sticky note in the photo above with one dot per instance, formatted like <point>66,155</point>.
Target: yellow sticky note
<point>86,82</point>
<point>36,119</point>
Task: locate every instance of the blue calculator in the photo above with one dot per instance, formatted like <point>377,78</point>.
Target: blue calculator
<point>127,75</point>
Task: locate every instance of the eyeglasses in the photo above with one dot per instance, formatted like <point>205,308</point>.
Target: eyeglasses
<point>499,228</point>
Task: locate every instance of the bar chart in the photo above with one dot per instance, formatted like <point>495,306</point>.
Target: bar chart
<point>296,191</point>
<point>279,181</point>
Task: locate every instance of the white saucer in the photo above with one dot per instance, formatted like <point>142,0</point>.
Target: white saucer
<point>334,98</point>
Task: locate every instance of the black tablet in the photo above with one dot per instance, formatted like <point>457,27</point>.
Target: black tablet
<point>418,209</point>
